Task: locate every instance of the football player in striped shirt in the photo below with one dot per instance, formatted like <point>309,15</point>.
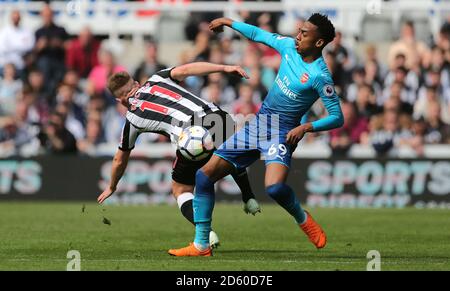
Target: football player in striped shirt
<point>162,106</point>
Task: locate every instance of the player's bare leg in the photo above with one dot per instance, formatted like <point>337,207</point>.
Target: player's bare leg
<point>183,195</point>
<point>217,168</point>
<point>276,187</point>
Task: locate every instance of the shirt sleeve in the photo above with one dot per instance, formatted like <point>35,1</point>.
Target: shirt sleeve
<point>304,118</point>
<point>129,137</point>
<point>274,40</point>
<point>166,73</point>
<point>324,87</point>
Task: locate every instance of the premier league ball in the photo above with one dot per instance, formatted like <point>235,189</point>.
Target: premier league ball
<point>195,143</point>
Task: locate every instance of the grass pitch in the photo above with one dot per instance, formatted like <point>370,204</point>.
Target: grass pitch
<point>37,236</point>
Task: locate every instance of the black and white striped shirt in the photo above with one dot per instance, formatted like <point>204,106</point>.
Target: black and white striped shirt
<point>161,105</point>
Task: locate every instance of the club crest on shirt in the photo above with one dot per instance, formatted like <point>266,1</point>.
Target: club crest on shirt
<point>304,78</point>
<point>133,104</point>
<point>328,90</point>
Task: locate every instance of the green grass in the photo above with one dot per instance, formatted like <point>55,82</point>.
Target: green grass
<point>37,236</point>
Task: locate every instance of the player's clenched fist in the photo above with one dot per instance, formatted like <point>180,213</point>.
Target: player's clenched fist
<point>217,24</point>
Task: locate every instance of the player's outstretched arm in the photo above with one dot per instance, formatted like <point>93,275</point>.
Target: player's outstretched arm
<point>119,165</point>
<point>217,24</point>
<point>204,68</point>
<point>252,32</point>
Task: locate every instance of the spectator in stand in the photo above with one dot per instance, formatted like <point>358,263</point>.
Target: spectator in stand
<point>232,54</point>
<point>38,110</point>
<point>99,75</point>
<point>337,72</point>
<point>395,100</point>
<point>94,135</point>
<point>382,138</point>
<point>371,56</point>
<point>407,93</point>
<point>10,88</point>
<point>73,114</point>
<point>55,137</point>
<point>36,83</point>
<point>436,61</point>
<point>428,94</point>
<point>96,104</point>
<point>219,92</point>
<point>439,64</point>
<point>411,78</point>
<point>413,50</point>
<point>245,103</point>
<point>7,132</point>
<point>199,51</point>
<point>15,41</point>
<point>113,120</point>
<point>366,105</point>
<point>358,77</point>
<point>82,53</point>
<point>150,65</point>
<point>343,56</point>
<point>49,50</point>
<point>17,132</point>
<point>341,139</point>
<point>72,79</point>
<point>437,130</point>
<point>416,140</point>
<point>372,76</point>
<point>432,78</point>
<point>443,39</point>
<point>198,22</point>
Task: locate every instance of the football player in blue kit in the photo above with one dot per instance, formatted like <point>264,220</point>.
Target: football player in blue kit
<point>280,124</point>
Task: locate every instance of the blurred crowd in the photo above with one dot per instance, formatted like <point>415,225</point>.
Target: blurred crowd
<point>53,97</point>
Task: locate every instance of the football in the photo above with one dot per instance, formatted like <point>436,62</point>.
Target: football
<point>195,143</point>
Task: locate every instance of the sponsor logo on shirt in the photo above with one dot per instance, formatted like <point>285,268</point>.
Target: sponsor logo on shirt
<point>283,85</point>
<point>133,104</point>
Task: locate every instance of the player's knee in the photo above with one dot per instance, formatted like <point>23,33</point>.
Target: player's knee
<point>207,169</point>
<point>214,170</point>
<point>202,181</point>
<point>178,189</point>
<point>276,191</point>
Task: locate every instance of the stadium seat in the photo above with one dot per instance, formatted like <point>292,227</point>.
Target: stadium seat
<point>376,28</point>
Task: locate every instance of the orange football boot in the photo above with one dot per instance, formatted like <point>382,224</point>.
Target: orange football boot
<point>314,232</point>
<point>190,251</point>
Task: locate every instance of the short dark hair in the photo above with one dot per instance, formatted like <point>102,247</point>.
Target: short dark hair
<point>324,26</point>
<point>402,69</point>
<point>368,86</point>
<point>117,81</point>
<point>409,23</point>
